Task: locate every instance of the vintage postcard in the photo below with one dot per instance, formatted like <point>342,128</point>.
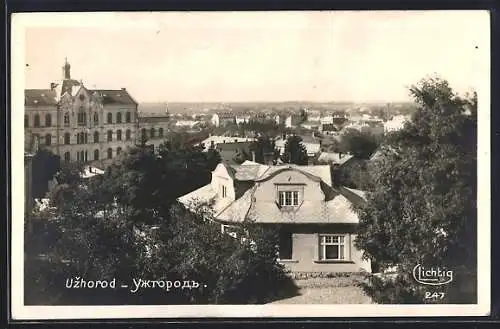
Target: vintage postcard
<point>250,164</point>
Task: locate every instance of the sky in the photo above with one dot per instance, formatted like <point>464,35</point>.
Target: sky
<point>259,56</point>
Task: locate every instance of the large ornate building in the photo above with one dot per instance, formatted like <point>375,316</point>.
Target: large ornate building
<point>81,124</point>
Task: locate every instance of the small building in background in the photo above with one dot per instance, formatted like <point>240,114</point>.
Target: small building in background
<point>223,119</point>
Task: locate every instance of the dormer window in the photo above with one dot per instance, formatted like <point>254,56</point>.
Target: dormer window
<point>289,198</point>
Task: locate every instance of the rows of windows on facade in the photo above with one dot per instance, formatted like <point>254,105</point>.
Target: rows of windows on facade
<point>75,122</point>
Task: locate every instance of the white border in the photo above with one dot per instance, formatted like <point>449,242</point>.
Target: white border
<point>21,312</point>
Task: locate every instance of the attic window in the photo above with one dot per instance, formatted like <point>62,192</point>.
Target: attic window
<point>43,95</point>
<point>35,101</point>
<point>289,198</point>
<point>82,97</point>
<point>118,95</point>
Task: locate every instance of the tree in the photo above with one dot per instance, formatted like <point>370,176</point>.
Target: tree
<point>295,151</point>
<point>355,175</point>
<point>101,231</point>
<point>360,144</point>
<point>45,165</point>
<point>262,146</point>
<point>422,209</point>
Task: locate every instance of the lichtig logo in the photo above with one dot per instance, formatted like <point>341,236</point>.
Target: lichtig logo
<point>433,276</point>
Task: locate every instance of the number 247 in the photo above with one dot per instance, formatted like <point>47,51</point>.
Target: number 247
<point>434,295</point>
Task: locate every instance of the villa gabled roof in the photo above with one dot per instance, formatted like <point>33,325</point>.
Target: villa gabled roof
<point>336,207</point>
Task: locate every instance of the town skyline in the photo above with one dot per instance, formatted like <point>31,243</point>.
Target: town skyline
<point>259,57</point>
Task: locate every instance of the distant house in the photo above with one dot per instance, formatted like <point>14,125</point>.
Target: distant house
<point>375,127</point>
<point>396,123</point>
<point>312,148</point>
<point>214,141</point>
<point>327,119</point>
<point>292,121</point>
<point>328,128</point>
<point>89,172</point>
<point>223,119</point>
<point>242,119</point>
<point>311,125</point>
<point>187,123</point>
<point>317,225</point>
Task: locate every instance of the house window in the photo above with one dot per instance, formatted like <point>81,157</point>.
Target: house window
<point>37,120</point>
<point>82,118</point>
<point>332,247</point>
<point>66,119</point>
<point>110,118</point>
<point>67,157</point>
<point>110,135</point>
<point>48,120</point>
<point>48,139</point>
<point>118,151</point>
<point>127,134</point>
<point>224,191</point>
<point>160,132</point>
<point>119,135</point>
<point>144,133</point>
<point>119,117</point>
<point>127,117</point>
<point>26,121</point>
<point>152,132</point>
<point>110,153</point>
<point>67,138</point>
<point>96,118</point>
<point>96,154</point>
<point>96,137</point>
<point>285,246</point>
<point>289,198</point>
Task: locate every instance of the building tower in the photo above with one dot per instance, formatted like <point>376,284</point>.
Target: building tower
<point>66,69</point>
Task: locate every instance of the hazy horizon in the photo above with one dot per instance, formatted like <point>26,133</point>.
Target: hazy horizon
<point>231,57</point>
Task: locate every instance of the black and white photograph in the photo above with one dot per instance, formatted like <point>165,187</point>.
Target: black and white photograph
<point>250,164</point>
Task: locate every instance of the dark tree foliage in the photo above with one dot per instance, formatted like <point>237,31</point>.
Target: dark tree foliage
<point>262,146</point>
<point>44,166</point>
<point>422,209</point>
<point>266,127</point>
<point>355,174</point>
<point>127,224</point>
<point>295,151</point>
<point>360,144</point>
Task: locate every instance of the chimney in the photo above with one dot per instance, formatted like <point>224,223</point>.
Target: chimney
<point>124,88</point>
<point>253,156</point>
<point>53,86</point>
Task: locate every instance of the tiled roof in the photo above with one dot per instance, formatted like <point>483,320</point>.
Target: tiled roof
<point>247,172</point>
<point>119,96</point>
<point>336,210</point>
<point>40,97</point>
<point>226,115</point>
<point>205,195</point>
<point>321,172</point>
<point>334,157</point>
<point>234,145</point>
<point>329,127</point>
